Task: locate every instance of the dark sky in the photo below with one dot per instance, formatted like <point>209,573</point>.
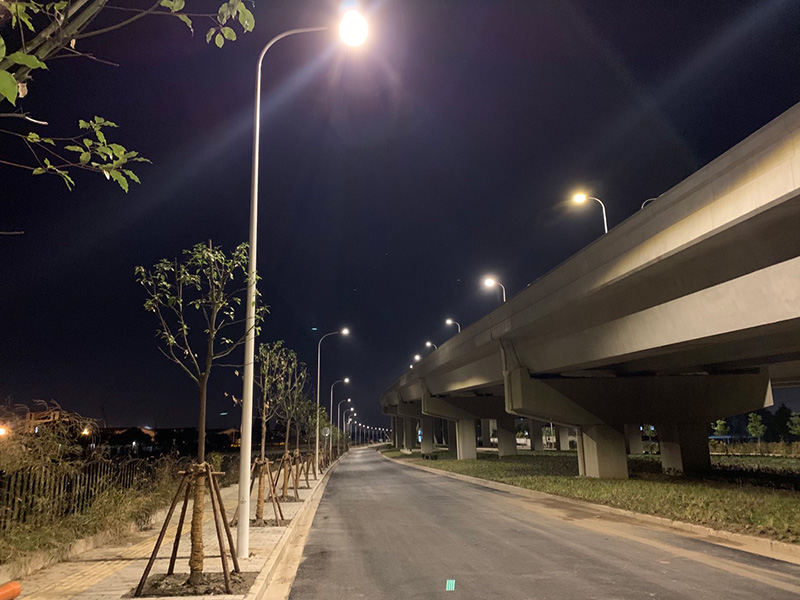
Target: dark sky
<point>394,176</point>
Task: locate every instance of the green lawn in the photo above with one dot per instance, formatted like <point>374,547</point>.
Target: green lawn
<point>754,495</point>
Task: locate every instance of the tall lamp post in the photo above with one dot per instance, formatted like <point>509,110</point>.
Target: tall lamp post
<point>581,198</point>
<point>491,282</point>
<point>339,421</point>
<point>344,412</point>
<point>330,414</point>
<point>343,331</point>
<point>353,31</point>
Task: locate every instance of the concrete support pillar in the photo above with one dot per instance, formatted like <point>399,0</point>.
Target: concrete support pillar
<point>581,454</point>
<point>604,453</point>
<point>684,447</point>
<point>451,435</point>
<point>397,432</point>
<point>409,432</point>
<point>562,443</point>
<point>633,438</point>
<point>486,432</point>
<point>465,439</point>
<point>426,425</point>
<point>535,429</point>
<point>506,437</point>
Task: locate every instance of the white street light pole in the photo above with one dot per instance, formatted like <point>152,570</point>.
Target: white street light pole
<point>581,198</point>
<point>451,322</point>
<point>353,31</point>
<point>491,282</point>
<point>344,331</point>
<point>339,422</point>
<point>243,528</point>
<point>330,414</point>
<point>430,344</point>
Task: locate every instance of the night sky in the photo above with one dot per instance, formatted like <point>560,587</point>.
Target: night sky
<point>394,176</point>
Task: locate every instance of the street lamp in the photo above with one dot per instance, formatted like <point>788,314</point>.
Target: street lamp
<point>344,412</point>
<point>417,358</point>
<point>646,202</point>
<point>343,331</point>
<point>491,282</point>
<point>353,31</point>
<point>330,414</point>
<point>430,344</point>
<point>339,421</point>
<point>581,198</point>
<point>451,322</point>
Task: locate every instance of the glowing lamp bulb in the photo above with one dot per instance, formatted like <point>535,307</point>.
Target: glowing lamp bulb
<point>345,331</point>
<point>489,282</point>
<point>579,198</point>
<point>347,380</point>
<point>353,28</point>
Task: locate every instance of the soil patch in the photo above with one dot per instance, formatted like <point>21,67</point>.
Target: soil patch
<point>175,585</point>
<point>270,523</point>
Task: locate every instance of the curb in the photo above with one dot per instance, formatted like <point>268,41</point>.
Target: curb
<point>738,541</point>
<point>264,578</point>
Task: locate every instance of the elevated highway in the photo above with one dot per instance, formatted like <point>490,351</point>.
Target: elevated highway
<point>686,312</point>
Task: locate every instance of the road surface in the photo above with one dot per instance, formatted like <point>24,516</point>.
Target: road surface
<point>387,531</point>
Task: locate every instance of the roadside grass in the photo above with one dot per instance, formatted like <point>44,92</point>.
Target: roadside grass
<point>736,496</point>
<point>111,511</point>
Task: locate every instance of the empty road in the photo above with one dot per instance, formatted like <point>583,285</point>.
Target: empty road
<point>387,531</point>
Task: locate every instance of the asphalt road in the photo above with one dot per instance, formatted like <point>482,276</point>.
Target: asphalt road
<point>386,531</point>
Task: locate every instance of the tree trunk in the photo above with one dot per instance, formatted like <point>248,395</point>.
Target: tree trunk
<point>201,421</point>
<point>196,556</point>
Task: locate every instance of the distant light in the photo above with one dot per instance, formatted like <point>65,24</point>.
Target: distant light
<point>223,414</point>
<point>348,399</point>
<point>3,430</point>
<point>410,366</point>
<point>314,328</point>
<point>345,331</point>
<point>489,282</point>
<point>417,357</point>
<point>353,28</point>
<point>579,198</point>
<point>448,322</point>
<point>84,432</point>
<point>347,380</point>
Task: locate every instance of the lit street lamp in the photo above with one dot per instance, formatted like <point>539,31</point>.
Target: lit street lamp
<point>491,282</point>
<point>338,419</point>
<point>353,31</point>
<point>417,358</point>
<point>451,322</point>
<point>581,198</point>
<point>430,344</point>
<point>343,331</point>
<point>330,414</point>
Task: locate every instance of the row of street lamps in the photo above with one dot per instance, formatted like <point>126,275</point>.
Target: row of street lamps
<point>491,282</point>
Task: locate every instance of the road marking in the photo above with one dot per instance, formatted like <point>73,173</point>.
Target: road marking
<point>450,586</point>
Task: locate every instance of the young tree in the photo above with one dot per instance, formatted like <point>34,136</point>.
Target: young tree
<point>756,427</point>
<point>794,424</point>
<point>35,34</point>
<point>195,302</point>
<point>721,428</point>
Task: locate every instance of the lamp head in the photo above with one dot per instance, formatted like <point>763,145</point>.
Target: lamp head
<point>348,399</point>
<point>579,198</point>
<point>417,357</point>
<point>489,282</point>
<point>448,322</point>
<point>428,344</point>
<point>345,331</point>
<point>346,380</point>
<point>353,28</point>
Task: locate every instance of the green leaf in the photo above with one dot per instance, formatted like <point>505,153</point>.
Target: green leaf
<point>131,175</point>
<point>29,60</point>
<point>83,124</point>
<point>85,156</point>
<point>73,148</point>
<point>33,137</point>
<point>186,20</point>
<point>100,136</point>
<point>48,141</point>
<point>2,48</point>
<point>87,142</point>
<point>229,33</point>
<point>39,171</point>
<point>120,179</point>
<point>219,40</point>
<point>8,87</point>
<point>246,19</point>
<point>173,5</point>
<point>210,34</point>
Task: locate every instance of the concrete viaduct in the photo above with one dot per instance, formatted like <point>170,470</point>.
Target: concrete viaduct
<point>685,313</point>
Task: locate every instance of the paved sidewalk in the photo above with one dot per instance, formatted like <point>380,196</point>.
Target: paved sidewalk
<point>112,571</point>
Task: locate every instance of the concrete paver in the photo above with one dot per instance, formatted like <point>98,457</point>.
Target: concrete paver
<point>112,571</point>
